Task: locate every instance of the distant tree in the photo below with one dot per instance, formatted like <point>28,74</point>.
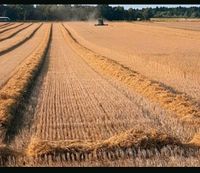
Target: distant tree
<point>146,13</point>
<point>194,14</point>
<point>27,11</point>
<point>132,15</point>
<point>80,12</point>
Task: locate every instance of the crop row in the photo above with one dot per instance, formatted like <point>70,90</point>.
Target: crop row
<point>12,92</point>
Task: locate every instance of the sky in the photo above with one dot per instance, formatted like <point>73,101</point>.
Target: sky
<point>154,6</point>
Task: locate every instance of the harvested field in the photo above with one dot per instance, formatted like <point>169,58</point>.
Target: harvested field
<point>12,92</point>
<point>11,61</point>
<point>79,96</point>
<point>170,55</point>
<point>6,25</point>
<point>10,28</point>
<point>181,104</point>
<point>187,25</point>
<point>12,43</point>
<point>12,33</point>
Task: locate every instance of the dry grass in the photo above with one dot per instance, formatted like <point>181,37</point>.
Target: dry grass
<point>130,148</point>
<point>195,140</point>
<point>184,106</point>
<point>12,92</point>
<point>129,139</point>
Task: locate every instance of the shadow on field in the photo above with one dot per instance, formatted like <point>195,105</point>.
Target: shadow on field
<point>23,115</point>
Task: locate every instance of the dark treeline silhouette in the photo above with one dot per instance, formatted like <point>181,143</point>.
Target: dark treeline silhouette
<point>80,12</point>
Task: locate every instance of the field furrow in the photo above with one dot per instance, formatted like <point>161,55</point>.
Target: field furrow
<point>10,28</point>
<point>12,43</point>
<point>6,25</point>
<point>11,61</point>
<point>3,23</point>
<point>10,34</point>
<point>12,93</point>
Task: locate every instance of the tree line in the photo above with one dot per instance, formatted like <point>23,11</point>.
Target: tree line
<point>80,12</point>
